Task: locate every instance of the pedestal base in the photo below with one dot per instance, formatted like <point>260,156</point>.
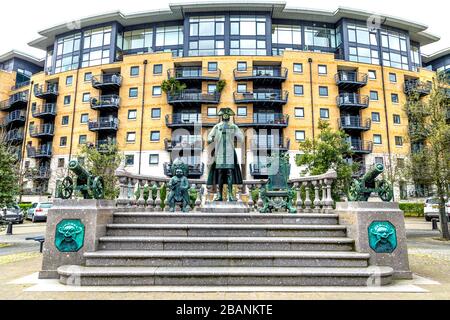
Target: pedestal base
<point>225,207</point>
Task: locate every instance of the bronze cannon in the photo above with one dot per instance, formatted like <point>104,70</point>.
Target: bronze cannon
<point>360,189</point>
<point>87,184</point>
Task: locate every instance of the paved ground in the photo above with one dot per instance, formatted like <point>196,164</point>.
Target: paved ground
<point>429,258</point>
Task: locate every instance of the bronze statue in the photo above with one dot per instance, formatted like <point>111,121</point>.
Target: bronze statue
<point>225,167</point>
<point>87,184</point>
<point>179,187</point>
<point>361,189</point>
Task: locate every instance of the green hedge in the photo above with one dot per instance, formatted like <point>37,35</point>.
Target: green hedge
<point>24,206</point>
<point>412,209</point>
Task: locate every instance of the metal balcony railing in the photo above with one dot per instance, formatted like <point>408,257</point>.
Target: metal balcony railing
<point>41,173</point>
<point>47,109</point>
<point>14,117</point>
<point>191,144</point>
<point>354,123</point>
<point>352,100</point>
<point>350,79</point>
<point>416,86</point>
<point>190,119</point>
<point>17,100</point>
<point>194,73</point>
<point>189,97</point>
<point>266,73</point>
<point>14,135</point>
<point>106,80</point>
<point>269,143</point>
<point>194,170</point>
<point>111,101</point>
<point>104,124</point>
<point>257,169</point>
<point>264,96</point>
<point>46,91</point>
<point>361,146</point>
<point>44,130</point>
<point>17,86</point>
<point>263,119</point>
<point>43,151</point>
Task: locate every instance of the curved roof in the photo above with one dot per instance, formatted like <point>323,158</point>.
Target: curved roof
<point>439,54</point>
<point>21,55</point>
<point>278,9</point>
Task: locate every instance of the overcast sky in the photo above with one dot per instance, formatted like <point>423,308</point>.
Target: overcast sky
<point>21,20</point>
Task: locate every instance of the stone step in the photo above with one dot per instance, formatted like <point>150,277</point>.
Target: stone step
<point>223,218</point>
<point>145,258</point>
<point>226,243</point>
<point>223,276</point>
<point>225,230</point>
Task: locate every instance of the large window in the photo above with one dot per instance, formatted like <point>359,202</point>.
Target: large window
<point>320,37</point>
<point>247,47</point>
<point>140,40</point>
<point>169,36</point>
<point>67,53</point>
<point>97,37</point>
<point>286,34</point>
<point>95,58</point>
<point>415,57</point>
<point>206,26</point>
<point>207,47</point>
<point>248,25</point>
<point>361,35</point>
<point>365,55</point>
<point>395,51</point>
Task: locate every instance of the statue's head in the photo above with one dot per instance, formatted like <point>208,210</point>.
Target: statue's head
<point>179,165</point>
<point>69,231</point>
<point>179,173</point>
<point>382,233</point>
<point>225,113</point>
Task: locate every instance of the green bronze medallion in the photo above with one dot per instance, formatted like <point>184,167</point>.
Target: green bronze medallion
<point>382,237</point>
<point>69,236</point>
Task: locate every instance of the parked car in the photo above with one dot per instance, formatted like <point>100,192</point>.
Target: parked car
<point>431,208</point>
<point>12,214</point>
<point>38,211</point>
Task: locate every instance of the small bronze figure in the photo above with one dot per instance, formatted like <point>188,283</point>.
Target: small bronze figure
<point>179,187</point>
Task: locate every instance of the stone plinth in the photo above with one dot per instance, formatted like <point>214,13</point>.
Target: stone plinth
<point>94,215</point>
<point>225,207</point>
<point>360,218</point>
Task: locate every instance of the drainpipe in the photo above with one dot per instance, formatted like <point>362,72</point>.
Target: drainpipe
<point>73,117</point>
<point>142,115</point>
<point>311,92</point>
<point>24,143</point>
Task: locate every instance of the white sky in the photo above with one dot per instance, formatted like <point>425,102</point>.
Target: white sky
<point>21,20</point>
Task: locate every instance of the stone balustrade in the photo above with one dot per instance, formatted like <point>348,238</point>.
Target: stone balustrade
<point>313,192</point>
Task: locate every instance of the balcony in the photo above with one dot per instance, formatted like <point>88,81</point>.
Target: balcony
<point>42,173</point>
<point>14,136</point>
<point>419,87</point>
<point>43,151</point>
<point>262,74</point>
<point>194,170</point>
<point>352,101</point>
<point>361,146</point>
<point>48,91</point>
<point>107,81</point>
<point>268,143</point>
<point>350,80</point>
<point>193,74</point>
<point>190,144</point>
<point>263,120</point>
<point>193,97</point>
<point>264,97</point>
<point>106,102</point>
<point>104,124</point>
<point>20,85</point>
<point>14,119</point>
<point>15,101</point>
<point>183,120</point>
<point>102,144</point>
<point>47,110</point>
<point>354,123</point>
<point>43,131</point>
<point>258,169</point>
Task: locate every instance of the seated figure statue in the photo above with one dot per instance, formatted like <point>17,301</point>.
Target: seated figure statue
<point>179,187</point>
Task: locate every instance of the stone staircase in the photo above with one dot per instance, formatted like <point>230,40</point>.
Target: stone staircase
<point>151,248</point>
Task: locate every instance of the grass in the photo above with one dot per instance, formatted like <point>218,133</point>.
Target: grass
<point>10,258</point>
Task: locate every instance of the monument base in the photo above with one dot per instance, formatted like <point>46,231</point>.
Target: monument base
<point>378,228</point>
<point>225,207</point>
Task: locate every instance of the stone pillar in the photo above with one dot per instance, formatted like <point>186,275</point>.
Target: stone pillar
<point>366,222</point>
<point>88,217</point>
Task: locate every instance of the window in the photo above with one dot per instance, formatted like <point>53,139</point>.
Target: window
<point>141,40</point>
<point>287,35</point>
<point>299,112</point>
<point>299,135</point>
<point>132,114</point>
<point>95,58</point>
<point>84,118</point>
<point>364,55</point>
<point>320,37</point>
<point>86,97</point>
<point>65,120</point>
<point>134,71</point>
<point>169,36</point>
<point>207,47</point>
<point>212,66</point>
<point>156,113</point>
<point>212,111</point>
<point>157,69</point>
<point>61,162</point>
<point>400,163</point>
<point>322,69</point>
<point>129,159</point>
<point>69,80</point>
<point>378,160</point>
<point>377,138</point>
<point>374,95</point>
<point>241,88</point>
<point>67,53</point>
<point>131,137</point>
<point>298,89</point>
<point>206,26</point>
<point>66,100</point>
<point>82,139</point>
<point>398,141</point>
<point>212,88</point>
<point>396,118</point>
<point>375,116</point>
<point>154,136</point>
<point>298,67</point>
<point>247,25</point>
<point>88,76</point>
<point>133,92</point>
<point>156,91</point>
<point>63,141</point>
<point>324,113</point>
<point>241,111</point>
<point>392,77</point>
<point>153,159</point>
<point>394,98</point>
<point>372,74</point>
<point>323,91</point>
<point>242,66</point>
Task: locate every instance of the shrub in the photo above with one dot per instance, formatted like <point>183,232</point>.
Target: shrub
<point>24,206</point>
<point>412,209</point>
